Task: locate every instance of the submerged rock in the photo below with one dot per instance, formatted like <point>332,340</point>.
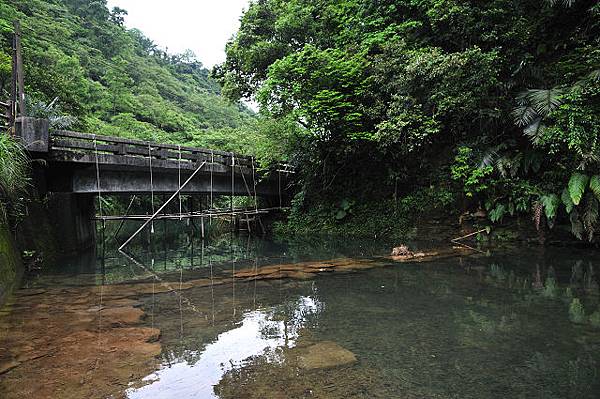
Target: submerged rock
<point>122,315</point>
<point>402,250</point>
<point>75,343</point>
<point>324,355</point>
<point>7,365</point>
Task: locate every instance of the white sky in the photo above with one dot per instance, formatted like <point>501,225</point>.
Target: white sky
<point>203,26</point>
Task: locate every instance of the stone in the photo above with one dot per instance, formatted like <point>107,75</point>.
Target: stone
<point>326,354</point>
<point>121,316</point>
<point>401,250</point>
<point>298,275</point>
<point>8,364</point>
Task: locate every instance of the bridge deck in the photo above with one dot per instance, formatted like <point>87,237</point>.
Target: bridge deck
<point>135,166</point>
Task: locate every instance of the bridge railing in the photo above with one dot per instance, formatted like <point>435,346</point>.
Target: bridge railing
<point>69,146</point>
<point>75,141</point>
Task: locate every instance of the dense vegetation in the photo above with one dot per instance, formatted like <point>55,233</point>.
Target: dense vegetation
<point>87,72</point>
<point>387,108</point>
<point>498,101</point>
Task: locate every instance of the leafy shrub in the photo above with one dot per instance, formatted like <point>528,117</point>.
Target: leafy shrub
<point>576,311</point>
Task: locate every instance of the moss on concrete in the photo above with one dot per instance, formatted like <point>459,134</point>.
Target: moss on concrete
<point>11,266</point>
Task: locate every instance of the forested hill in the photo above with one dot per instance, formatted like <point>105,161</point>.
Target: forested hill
<point>497,102</point>
<point>81,62</point>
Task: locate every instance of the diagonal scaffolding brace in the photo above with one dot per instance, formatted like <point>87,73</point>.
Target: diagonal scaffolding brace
<point>147,222</point>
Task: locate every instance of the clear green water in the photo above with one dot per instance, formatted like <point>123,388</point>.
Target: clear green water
<point>486,326</point>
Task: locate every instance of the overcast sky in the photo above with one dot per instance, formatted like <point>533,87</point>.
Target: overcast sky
<point>203,26</point>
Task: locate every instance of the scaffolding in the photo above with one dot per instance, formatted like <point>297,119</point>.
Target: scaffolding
<point>235,215</point>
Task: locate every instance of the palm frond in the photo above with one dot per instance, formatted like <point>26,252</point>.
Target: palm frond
<point>534,131</point>
<point>544,101</point>
<point>524,115</point>
<point>594,75</point>
<point>53,112</point>
<point>566,3</point>
<point>491,155</point>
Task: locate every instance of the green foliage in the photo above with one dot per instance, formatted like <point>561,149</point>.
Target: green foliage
<point>471,175</point>
<point>14,173</point>
<point>595,319</point>
<point>566,200</point>
<point>344,209</point>
<point>550,288</point>
<point>5,70</point>
<point>577,186</point>
<point>497,213</point>
<point>388,90</point>
<point>387,218</point>
<point>52,112</point>
<point>332,82</point>
<point>85,71</point>
<point>581,204</point>
<point>550,202</point>
<point>595,185</point>
<point>576,311</point>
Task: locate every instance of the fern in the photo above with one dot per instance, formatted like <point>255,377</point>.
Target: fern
<point>595,185</point>
<point>497,213</point>
<point>537,214</point>
<point>567,201</point>
<point>576,225</point>
<point>590,215</point>
<point>577,185</point>
<point>550,203</point>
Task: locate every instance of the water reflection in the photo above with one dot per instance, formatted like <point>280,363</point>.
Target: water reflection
<point>504,323</point>
<point>259,333</point>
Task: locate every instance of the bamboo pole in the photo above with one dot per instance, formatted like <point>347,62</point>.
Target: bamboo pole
<point>163,206</point>
<point>457,240</point>
<point>468,235</point>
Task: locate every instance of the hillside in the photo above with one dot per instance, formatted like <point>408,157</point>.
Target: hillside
<point>82,61</point>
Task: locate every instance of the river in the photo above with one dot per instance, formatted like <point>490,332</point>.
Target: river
<point>183,318</point>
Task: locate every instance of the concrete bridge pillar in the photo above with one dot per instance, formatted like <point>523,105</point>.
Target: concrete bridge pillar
<point>71,216</point>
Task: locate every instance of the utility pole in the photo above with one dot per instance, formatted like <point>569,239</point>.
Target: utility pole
<point>12,103</point>
<point>16,105</point>
<point>19,70</point>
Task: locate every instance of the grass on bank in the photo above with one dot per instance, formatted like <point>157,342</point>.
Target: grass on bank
<point>14,174</point>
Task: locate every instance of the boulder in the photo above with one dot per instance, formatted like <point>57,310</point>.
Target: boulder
<point>401,250</point>
<point>326,354</point>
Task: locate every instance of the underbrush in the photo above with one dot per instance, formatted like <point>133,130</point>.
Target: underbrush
<point>366,218</point>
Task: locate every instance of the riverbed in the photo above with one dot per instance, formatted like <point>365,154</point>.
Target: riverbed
<point>327,318</point>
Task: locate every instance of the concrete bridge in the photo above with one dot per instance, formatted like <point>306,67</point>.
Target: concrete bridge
<point>77,167</point>
<point>83,163</point>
